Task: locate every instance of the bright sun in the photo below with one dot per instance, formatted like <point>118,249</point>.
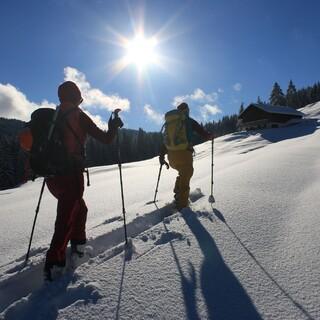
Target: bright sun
<point>141,51</point>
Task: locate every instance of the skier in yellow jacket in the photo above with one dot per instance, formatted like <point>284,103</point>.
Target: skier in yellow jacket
<point>180,150</point>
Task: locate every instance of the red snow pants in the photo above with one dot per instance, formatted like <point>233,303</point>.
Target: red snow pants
<point>71,215</point>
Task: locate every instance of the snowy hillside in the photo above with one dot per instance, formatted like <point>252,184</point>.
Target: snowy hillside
<point>254,254</point>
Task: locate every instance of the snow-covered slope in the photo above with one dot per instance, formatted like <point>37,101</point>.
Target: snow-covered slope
<point>312,110</point>
<point>254,254</point>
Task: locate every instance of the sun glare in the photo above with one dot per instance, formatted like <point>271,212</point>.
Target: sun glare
<point>141,51</point>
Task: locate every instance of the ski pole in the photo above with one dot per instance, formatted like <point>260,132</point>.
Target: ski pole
<point>155,194</point>
<point>34,222</point>
<point>211,197</point>
<point>115,112</point>
<point>88,177</point>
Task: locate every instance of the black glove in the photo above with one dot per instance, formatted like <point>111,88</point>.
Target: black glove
<point>163,162</point>
<point>115,123</point>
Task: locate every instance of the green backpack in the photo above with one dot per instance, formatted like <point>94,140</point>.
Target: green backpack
<point>176,130</point>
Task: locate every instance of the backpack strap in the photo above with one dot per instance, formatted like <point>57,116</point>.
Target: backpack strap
<point>83,151</point>
<point>53,123</point>
<point>64,118</point>
<point>66,113</point>
<point>76,136</point>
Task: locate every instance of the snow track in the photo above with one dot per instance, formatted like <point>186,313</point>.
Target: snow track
<point>113,243</point>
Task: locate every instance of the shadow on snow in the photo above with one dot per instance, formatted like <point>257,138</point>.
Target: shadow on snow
<point>223,293</point>
<point>304,128</point>
<point>220,216</point>
<point>10,284</point>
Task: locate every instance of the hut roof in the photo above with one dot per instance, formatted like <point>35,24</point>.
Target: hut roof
<point>274,109</point>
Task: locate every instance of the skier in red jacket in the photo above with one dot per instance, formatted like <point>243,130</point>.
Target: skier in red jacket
<point>68,189</point>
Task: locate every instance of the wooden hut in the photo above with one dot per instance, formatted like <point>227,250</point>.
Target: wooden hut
<point>258,116</point>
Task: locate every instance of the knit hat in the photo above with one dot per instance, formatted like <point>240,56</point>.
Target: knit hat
<point>183,106</point>
<point>69,92</point>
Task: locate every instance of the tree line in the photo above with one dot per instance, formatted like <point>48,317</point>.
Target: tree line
<point>294,98</point>
<point>12,158</point>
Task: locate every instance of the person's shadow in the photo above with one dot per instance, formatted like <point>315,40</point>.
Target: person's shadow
<point>220,216</point>
<point>223,293</point>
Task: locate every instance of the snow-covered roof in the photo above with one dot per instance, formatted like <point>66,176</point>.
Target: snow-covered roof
<point>276,109</point>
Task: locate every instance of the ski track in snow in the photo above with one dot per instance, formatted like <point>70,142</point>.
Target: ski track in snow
<point>111,243</point>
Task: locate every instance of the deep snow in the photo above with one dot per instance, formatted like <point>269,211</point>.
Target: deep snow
<point>254,254</point>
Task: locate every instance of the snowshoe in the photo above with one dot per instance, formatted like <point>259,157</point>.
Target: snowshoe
<point>80,253</point>
<point>52,273</point>
<point>77,250</point>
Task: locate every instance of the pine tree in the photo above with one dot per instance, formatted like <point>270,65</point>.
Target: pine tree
<point>277,97</point>
<point>291,96</point>
<point>241,108</point>
<point>314,93</point>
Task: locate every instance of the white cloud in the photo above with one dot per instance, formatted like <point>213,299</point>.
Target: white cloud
<point>94,98</point>
<point>97,120</point>
<point>237,86</point>
<point>14,103</point>
<point>209,110</point>
<point>177,100</point>
<point>202,104</point>
<point>153,115</point>
<point>198,95</point>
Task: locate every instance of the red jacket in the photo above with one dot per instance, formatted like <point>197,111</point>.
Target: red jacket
<point>82,126</point>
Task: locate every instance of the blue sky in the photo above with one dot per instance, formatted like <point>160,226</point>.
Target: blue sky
<point>213,54</point>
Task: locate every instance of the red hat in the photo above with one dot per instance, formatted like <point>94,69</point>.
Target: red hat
<point>69,92</point>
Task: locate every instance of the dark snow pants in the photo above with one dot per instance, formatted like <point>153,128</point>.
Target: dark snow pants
<point>71,216</point>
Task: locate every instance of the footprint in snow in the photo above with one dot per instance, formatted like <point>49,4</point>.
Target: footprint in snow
<point>195,195</point>
<point>49,300</point>
<point>169,236</point>
<point>113,219</point>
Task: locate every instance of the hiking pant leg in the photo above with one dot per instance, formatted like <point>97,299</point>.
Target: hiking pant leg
<point>182,161</point>
<point>185,173</point>
<point>78,234</point>
<point>176,188</point>
<point>68,192</point>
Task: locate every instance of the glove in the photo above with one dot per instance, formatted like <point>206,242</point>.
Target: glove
<point>163,162</point>
<point>115,123</point>
<point>210,136</point>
